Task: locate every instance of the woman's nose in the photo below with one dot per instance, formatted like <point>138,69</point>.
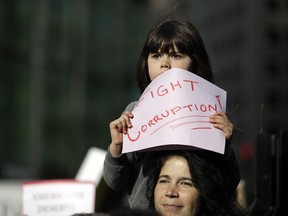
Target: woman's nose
<point>171,192</point>
<point>165,62</point>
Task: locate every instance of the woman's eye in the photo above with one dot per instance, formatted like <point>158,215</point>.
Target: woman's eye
<point>186,183</point>
<point>162,181</point>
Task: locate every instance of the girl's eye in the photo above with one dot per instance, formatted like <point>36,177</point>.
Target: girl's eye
<point>176,55</point>
<point>156,55</point>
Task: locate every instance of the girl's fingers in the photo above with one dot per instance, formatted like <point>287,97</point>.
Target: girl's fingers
<point>125,118</point>
<point>221,121</point>
<point>123,123</point>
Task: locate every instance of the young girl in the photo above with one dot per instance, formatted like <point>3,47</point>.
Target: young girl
<point>170,44</point>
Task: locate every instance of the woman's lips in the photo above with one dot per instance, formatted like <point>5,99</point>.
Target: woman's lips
<point>172,206</point>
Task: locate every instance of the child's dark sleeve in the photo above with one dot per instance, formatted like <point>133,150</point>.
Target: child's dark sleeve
<point>116,171</point>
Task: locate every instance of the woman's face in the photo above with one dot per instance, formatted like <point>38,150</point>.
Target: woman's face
<point>174,194</point>
<point>160,62</point>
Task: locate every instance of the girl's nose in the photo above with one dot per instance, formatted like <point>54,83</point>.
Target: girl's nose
<point>165,62</point>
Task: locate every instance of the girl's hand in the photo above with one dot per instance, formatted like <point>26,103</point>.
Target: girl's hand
<point>117,128</point>
<point>221,121</point>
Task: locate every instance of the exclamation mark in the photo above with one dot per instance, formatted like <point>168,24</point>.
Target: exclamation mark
<point>218,99</point>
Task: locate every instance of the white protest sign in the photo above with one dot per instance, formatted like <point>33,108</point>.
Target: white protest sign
<point>57,197</point>
<point>174,110</point>
<point>91,168</point>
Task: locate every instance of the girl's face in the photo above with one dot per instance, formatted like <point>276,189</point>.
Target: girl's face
<point>160,62</point>
<point>174,194</point>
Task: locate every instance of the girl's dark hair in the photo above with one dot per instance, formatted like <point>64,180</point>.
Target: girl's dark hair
<point>210,177</point>
<point>167,35</point>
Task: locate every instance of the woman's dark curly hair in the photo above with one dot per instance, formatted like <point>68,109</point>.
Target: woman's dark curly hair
<point>168,35</point>
<point>210,177</point>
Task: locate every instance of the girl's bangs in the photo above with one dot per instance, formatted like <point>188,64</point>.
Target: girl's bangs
<point>167,44</point>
